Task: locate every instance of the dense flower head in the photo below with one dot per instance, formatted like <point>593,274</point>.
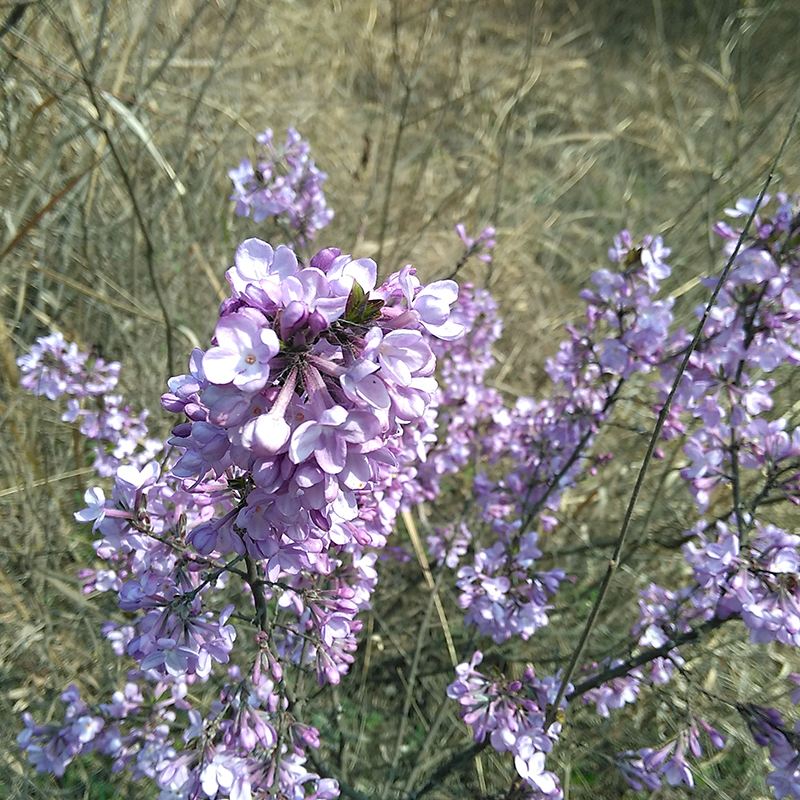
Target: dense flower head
<point>298,419</point>
<point>511,716</point>
<point>304,397</point>
<point>58,369</point>
<point>282,183</point>
<point>647,768</point>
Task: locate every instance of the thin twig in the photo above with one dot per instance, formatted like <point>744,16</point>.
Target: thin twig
<point>259,598</point>
<point>137,211</point>
<point>645,657</point>
<point>452,764</point>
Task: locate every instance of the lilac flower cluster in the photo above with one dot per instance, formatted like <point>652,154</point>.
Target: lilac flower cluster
<point>753,580</point>
<point>510,715</point>
<point>545,441</point>
<point>741,567</point>
<point>51,748</point>
<point>753,330</point>
<point>298,421</point>
<point>219,756</point>
<point>645,769</point>
<point>770,730</point>
<point>304,398</point>
<point>615,693</point>
<point>173,635</point>
<point>284,184</point>
<point>55,369</point>
<point>756,580</point>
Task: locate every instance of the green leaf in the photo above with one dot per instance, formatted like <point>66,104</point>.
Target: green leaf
<point>355,303</point>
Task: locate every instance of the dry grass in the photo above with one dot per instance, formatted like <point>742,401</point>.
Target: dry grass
<point>558,122</point>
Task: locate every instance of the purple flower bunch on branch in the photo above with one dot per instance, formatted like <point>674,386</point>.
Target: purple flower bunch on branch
<point>782,740</point>
<point>284,184</point>
<point>56,369</point>
<point>510,715</point>
<point>647,769</point>
<point>741,456</point>
<point>252,554</point>
<point>543,445</point>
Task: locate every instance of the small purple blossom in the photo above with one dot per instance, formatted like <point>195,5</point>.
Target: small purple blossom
<point>282,183</point>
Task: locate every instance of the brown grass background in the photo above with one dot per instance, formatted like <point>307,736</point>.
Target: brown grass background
<point>559,122</point>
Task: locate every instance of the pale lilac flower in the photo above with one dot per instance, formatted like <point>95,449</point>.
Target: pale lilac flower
<point>284,184</point>
<point>242,355</point>
<point>95,510</point>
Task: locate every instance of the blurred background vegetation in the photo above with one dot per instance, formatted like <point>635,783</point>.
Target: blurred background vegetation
<point>558,122</point>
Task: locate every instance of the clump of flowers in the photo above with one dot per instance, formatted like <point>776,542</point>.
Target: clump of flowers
<point>742,568</point>
<point>645,769</point>
<point>510,715</point>
<point>55,368</point>
<point>544,443</point>
<point>752,332</point>
<point>294,431</point>
<point>782,740</point>
<point>282,183</point>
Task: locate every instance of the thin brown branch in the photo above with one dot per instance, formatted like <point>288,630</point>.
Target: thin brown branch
<point>137,211</point>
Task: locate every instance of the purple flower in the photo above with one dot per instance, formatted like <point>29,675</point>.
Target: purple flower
<point>242,354</point>
<point>329,439</point>
<point>401,353</point>
<point>95,510</point>
<point>283,184</point>
<point>433,304</point>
